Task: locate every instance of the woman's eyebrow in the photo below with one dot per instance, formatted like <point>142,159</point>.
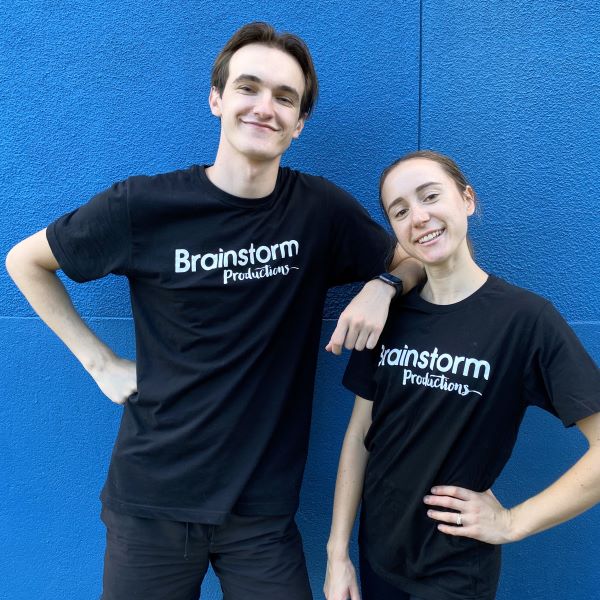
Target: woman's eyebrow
<point>424,185</point>
<point>394,202</point>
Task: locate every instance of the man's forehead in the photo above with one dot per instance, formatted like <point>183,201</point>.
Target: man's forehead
<point>271,66</point>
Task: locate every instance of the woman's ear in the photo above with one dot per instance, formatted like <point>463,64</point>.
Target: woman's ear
<point>470,200</point>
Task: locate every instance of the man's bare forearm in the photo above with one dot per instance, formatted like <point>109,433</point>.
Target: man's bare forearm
<point>362,321</point>
<point>410,271</point>
<point>32,266</point>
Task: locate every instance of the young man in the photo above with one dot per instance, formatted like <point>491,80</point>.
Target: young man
<point>228,267</point>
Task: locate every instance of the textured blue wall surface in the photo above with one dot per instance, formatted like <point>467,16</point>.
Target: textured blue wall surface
<point>94,92</point>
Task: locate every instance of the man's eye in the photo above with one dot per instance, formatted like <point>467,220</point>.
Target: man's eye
<point>245,88</point>
<point>286,100</point>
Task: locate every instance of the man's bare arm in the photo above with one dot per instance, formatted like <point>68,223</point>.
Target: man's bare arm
<point>32,266</point>
<point>362,321</point>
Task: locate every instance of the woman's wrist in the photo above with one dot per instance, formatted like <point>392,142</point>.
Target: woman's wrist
<point>517,529</point>
<point>337,550</point>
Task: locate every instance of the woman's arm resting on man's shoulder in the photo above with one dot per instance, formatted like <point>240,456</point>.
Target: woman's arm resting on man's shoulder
<point>362,321</point>
<point>485,519</point>
<point>340,581</point>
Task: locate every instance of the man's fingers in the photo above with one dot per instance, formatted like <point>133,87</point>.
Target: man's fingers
<point>337,337</point>
<point>333,348</point>
<point>351,337</point>
<point>373,339</point>
<point>361,340</point>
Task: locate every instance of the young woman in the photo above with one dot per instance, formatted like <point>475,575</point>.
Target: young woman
<point>439,403</point>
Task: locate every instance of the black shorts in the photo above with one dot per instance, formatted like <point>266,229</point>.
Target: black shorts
<point>255,558</point>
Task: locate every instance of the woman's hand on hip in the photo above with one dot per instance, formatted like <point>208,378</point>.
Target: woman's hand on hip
<point>477,515</point>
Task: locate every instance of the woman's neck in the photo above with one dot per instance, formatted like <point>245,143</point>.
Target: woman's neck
<point>453,282</point>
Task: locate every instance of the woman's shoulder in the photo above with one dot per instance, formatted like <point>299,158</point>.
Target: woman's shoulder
<point>494,298</point>
<point>514,297</point>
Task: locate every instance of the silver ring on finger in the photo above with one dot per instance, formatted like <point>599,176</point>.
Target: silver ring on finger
<point>459,520</point>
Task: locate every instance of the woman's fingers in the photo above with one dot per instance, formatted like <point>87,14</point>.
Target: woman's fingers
<point>454,491</point>
<point>478,515</point>
<point>454,518</point>
<point>445,502</point>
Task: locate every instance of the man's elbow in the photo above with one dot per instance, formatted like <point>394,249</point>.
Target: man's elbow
<point>31,255</point>
<point>13,260</point>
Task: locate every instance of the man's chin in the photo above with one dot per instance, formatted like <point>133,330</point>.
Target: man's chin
<point>263,154</point>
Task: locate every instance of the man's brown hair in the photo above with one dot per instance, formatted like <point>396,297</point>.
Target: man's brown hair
<point>263,33</point>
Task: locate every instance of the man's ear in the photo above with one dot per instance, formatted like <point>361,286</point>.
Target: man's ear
<point>214,101</point>
<point>299,127</point>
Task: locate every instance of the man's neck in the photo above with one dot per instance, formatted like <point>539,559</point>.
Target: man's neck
<point>242,177</point>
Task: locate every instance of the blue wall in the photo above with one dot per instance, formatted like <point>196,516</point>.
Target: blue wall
<point>96,91</point>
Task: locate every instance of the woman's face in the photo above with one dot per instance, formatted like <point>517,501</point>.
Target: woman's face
<point>427,211</point>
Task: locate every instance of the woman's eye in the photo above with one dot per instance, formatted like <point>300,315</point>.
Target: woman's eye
<point>399,214</point>
<point>431,197</point>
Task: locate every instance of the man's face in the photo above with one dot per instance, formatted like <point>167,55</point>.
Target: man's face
<point>260,105</point>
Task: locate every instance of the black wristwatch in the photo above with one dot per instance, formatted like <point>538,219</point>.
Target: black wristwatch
<point>392,280</point>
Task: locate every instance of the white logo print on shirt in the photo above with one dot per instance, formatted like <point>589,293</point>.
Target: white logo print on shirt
<point>434,361</point>
<point>184,261</point>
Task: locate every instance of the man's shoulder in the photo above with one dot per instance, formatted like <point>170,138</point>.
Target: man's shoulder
<point>321,186</point>
<point>161,182</point>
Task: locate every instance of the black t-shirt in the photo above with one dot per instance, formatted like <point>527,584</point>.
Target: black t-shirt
<point>450,385</point>
<point>227,297</point>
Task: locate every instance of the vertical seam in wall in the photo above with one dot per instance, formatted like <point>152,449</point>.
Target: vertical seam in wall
<point>419,108</point>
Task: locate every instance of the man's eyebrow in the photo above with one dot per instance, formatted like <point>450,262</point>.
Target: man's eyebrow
<point>244,77</point>
<point>290,90</point>
<point>254,79</point>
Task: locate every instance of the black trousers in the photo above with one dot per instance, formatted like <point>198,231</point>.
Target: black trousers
<point>255,558</point>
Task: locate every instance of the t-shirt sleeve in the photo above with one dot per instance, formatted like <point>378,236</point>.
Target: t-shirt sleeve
<point>94,239</point>
<point>561,377</point>
<point>359,249</point>
<point>358,377</point>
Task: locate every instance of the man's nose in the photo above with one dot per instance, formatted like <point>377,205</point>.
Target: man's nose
<point>263,107</point>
